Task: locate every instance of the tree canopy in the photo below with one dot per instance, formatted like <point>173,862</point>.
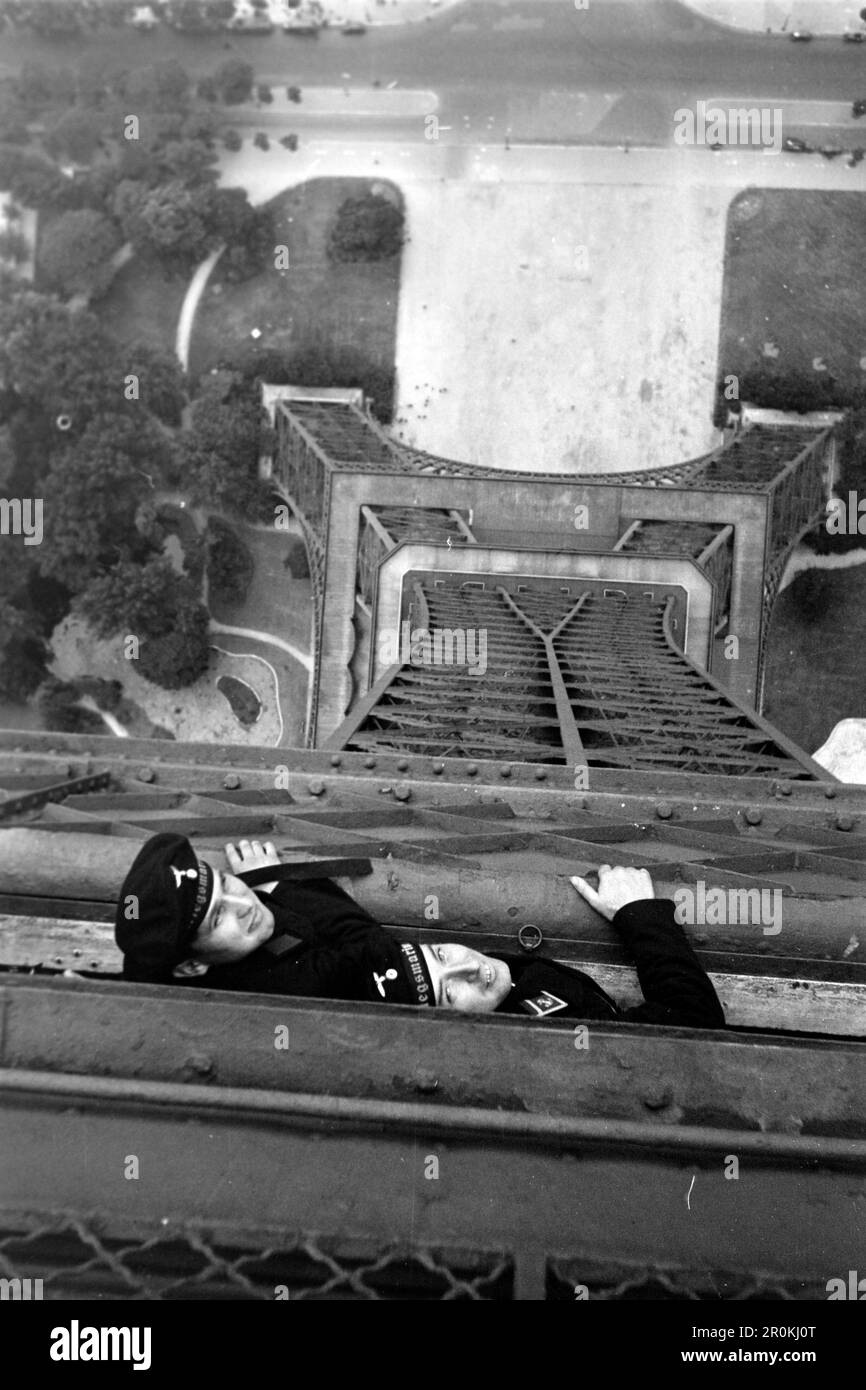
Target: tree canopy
<point>75,253</point>
<point>369,228</point>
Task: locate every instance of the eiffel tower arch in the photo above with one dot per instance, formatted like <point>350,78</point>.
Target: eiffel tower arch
<point>734,515</point>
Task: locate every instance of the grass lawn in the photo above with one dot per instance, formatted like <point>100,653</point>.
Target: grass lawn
<point>815,669</point>
<point>274,602</point>
<point>143,304</point>
<point>312,304</point>
<point>793,280</point>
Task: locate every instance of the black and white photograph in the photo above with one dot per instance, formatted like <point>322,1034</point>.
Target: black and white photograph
<point>433,669</point>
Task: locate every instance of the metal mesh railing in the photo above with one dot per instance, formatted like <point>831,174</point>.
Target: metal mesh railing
<point>65,1255</point>
<point>79,1256</point>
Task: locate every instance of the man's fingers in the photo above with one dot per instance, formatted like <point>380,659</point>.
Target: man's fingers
<point>585,890</point>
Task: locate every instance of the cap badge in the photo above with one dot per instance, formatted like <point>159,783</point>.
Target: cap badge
<point>389,975</point>
<point>181,874</point>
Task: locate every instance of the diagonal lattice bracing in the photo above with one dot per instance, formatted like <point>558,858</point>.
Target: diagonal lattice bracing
<point>633,700</point>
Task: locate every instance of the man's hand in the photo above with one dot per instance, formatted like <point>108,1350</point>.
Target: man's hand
<point>252,854</point>
<point>616,888</point>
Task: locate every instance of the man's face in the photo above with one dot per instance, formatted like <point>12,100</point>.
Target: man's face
<point>465,980</point>
<point>237,923</point>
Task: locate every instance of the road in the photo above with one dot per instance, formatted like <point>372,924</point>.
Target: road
<point>515,65</point>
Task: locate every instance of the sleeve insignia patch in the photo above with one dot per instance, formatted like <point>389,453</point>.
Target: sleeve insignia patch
<point>542,1004</point>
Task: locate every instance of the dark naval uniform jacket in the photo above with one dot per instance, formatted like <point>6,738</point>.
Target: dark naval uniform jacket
<point>326,946</point>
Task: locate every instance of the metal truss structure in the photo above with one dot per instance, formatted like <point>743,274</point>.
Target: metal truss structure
<point>589,677</point>
<point>736,512</point>
<point>564,1141</point>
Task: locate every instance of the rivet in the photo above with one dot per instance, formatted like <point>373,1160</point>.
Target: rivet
<point>438,768</point>
<point>505,771</point>
<point>845,822</point>
<point>786,789</point>
<point>541,774</point>
<point>530,936</point>
<point>664,810</point>
<point>754,815</point>
<point>146,774</point>
<point>830,793</point>
<point>199,1063</point>
<point>336,760</point>
<point>402,765</point>
<point>369,762</point>
<point>402,793</point>
<point>316,787</point>
<point>472,770</point>
<point>231,781</point>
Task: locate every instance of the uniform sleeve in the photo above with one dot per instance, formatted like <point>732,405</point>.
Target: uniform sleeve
<point>675,985</point>
<point>327,914</point>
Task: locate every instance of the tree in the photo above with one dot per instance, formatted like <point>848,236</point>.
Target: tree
<point>32,180</point>
<point>93,490</point>
<point>230,564</point>
<point>207,90</point>
<point>161,86</point>
<point>55,19</point>
<point>13,126</point>
<point>58,703</point>
<point>261,141</point>
<point>75,253</point>
<point>193,16</point>
<point>293,93</point>
<point>14,246</point>
<point>23,650</point>
<point>75,134</point>
<point>139,599</point>
<point>369,228</point>
<point>161,381</point>
<point>166,219</point>
<point>290,142</point>
<point>55,361</point>
<point>162,609</point>
<point>232,141</point>
<point>234,81</point>
<point>182,653</point>
<point>38,86</point>
<point>264,93</point>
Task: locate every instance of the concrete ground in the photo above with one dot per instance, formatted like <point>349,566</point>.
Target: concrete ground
<point>559,307</point>
<point>549,318</point>
<point>781,16</point>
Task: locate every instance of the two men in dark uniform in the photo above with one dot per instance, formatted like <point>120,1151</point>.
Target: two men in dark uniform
<point>261,927</point>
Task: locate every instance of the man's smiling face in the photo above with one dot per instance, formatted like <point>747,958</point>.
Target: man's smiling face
<point>235,926</point>
<point>465,980</point>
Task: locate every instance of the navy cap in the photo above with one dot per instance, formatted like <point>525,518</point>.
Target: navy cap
<point>402,975</point>
<point>164,899</point>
